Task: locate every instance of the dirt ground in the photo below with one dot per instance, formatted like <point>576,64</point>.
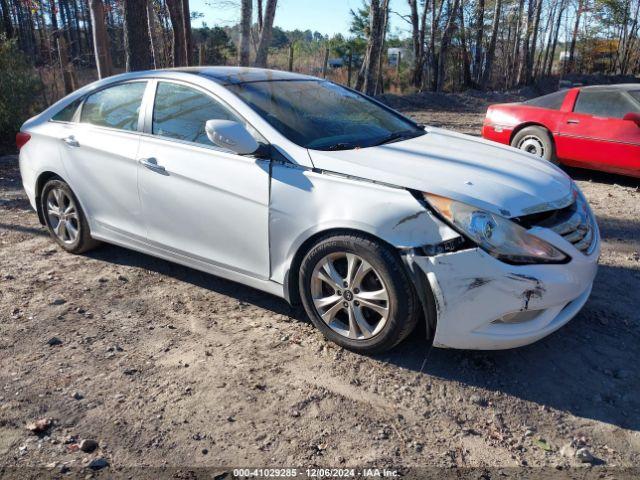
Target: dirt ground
<point>177,373</point>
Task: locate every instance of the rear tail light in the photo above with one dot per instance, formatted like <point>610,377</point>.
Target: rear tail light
<point>21,139</point>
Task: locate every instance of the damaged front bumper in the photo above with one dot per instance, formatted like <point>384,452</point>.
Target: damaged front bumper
<point>482,303</point>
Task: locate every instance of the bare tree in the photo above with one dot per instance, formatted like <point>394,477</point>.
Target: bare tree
<point>418,25</point>
<point>100,39</point>
<point>445,42</point>
<point>137,44</point>
<point>574,38</point>
<point>552,52</point>
<point>244,47</point>
<point>477,58</point>
<point>265,33</point>
<point>186,27</point>
<point>368,77</point>
<point>491,51</point>
<point>177,30</point>
<point>6,18</point>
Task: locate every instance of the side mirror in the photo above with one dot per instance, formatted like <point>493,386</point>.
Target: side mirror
<point>231,135</point>
<point>633,117</point>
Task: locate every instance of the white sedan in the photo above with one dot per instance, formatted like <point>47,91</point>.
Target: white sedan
<point>313,192</point>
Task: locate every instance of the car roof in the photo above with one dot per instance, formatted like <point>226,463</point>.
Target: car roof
<point>619,86</point>
<point>237,75</point>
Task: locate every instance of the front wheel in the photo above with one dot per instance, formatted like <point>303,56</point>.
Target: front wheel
<point>357,293</point>
<point>537,141</point>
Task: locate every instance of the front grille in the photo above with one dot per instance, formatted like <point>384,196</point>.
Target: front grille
<point>573,223</point>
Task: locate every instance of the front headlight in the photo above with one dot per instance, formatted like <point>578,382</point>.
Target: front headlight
<point>499,236</point>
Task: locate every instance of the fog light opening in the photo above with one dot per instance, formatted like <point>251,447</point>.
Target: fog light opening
<point>518,317</point>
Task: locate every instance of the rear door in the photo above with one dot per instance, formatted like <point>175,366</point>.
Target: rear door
<point>594,135</point>
<point>100,156</point>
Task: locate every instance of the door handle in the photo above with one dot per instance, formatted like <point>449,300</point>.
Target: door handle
<point>71,141</point>
<point>152,164</point>
<point>573,121</point>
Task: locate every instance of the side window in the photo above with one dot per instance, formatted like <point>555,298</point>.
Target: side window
<point>67,113</point>
<point>181,112</point>
<point>115,107</point>
<point>603,104</point>
<point>553,101</point>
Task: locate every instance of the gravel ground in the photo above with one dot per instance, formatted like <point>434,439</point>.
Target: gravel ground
<point>174,370</point>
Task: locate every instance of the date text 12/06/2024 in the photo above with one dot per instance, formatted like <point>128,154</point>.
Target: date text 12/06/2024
<point>315,473</point>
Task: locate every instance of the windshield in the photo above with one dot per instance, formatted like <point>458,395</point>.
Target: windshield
<point>321,115</point>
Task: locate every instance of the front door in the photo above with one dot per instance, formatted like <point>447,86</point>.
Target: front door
<point>198,200</point>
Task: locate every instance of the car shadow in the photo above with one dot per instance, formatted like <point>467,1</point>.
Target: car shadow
<point>588,368</point>
<point>601,177</point>
<point>122,256</point>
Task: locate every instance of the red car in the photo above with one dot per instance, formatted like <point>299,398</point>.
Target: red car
<point>595,127</point>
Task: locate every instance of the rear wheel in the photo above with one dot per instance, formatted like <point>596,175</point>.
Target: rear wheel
<point>64,218</point>
<point>537,141</point>
<point>357,293</point>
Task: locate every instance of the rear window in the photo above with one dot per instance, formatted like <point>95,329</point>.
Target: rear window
<point>553,101</point>
<point>611,104</point>
<point>635,94</point>
<point>114,107</point>
<point>67,113</point>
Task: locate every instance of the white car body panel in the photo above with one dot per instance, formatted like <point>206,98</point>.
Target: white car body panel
<point>234,236</point>
<point>246,219</point>
<point>500,179</point>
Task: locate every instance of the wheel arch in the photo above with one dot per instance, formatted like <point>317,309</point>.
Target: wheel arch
<point>41,181</point>
<point>418,277</point>
<point>532,124</point>
<point>291,278</point>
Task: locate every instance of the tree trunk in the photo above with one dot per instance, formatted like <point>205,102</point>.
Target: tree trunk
<point>547,46</point>
<point>153,38</point>
<point>6,19</point>
<point>265,33</point>
<point>574,38</point>
<point>137,45</point>
<point>552,54</point>
<point>61,47</point>
<point>100,39</point>
<point>466,62</point>
<point>177,29</point>
<point>477,60</point>
<point>260,22</point>
<point>444,44</point>
<point>415,38</point>
<point>244,47</point>
<point>626,56</point>
<point>186,28</point>
<point>370,68</point>
<point>488,66</point>
<point>432,45</point>
<point>515,52</point>
<point>534,43</point>
<point>523,60</point>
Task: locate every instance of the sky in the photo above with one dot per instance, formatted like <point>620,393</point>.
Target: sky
<point>325,16</point>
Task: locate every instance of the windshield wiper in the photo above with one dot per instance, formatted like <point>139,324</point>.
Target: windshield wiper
<point>392,137</point>
<point>340,146</point>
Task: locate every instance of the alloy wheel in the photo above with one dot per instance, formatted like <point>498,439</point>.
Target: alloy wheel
<point>350,295</point>
<point>63,215</point>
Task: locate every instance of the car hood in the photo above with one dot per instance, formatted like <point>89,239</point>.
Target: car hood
<point>478,172</point>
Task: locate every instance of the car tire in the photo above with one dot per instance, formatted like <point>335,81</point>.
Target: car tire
<point>537,141</point>
<point>378,291</point>
<point>64,218</point>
